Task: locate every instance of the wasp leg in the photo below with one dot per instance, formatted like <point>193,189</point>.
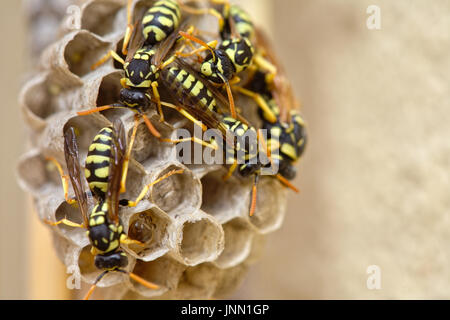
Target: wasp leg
<point>230,171</point>
<point>64,221</point>
<point>259,101</point>
<point>157,97</point>
<point>144,191</point>
<point>204,11</point>
<point>126,160</point>
<point>265,65</point>
<point>64,180</point>
<point>106,57</point>
<point>129,241</point>
<point>185,114</point>
<point>193,139</point>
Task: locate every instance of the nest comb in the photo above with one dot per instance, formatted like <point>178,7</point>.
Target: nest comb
<point>199,239</point>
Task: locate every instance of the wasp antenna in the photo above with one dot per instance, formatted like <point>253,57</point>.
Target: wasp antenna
<point>142,281</point>
<point>200,42</point>
<point>94,110</point>
<point>91,290</point>
<point>254,194</point>
<point>284,181</point>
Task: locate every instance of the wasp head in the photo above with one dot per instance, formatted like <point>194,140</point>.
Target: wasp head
<point>133,98</point>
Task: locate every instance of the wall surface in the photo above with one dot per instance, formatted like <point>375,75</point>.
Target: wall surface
<point>375,176</point>
<point>13,217</point>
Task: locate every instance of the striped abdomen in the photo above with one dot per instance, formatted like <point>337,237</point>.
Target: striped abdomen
<point>98,161</point>
<point>242,22</point>
<point>160,21</point>
<point>188,86</point>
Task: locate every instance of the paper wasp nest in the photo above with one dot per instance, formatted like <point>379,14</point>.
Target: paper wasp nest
<point>199,239</point>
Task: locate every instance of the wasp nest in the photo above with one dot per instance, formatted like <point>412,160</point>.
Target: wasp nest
<point>199,238</point>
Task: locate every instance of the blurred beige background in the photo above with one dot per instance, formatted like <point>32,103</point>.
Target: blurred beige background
<point>375,176</point>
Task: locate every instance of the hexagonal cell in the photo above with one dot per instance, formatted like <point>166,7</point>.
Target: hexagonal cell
<point>257,249</point>
<point>202,240</point>
<point>67,251</point>
<point>86,128</point>
<point>170,194</point>
<point>151,228</point>
<point>270,205</point>
<point>147,149</point>
<point>224,199</point>
<point>89,271</point>
<point>198,282</point>
<point>101,17</point>
<point>108,92</point>
<point>164,271</point>
<point>83,51</point>
<point>37,175</point>
<point>36,100</point>
<point>238,243</point>
<point>73,214</point>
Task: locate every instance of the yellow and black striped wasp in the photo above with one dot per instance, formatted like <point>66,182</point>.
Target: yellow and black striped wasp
<point>287,135</point>
<point>105,170</point>
<point>143,66</point>
<point>206,104</point>
<point>234,55</point>
<point>158,21</point>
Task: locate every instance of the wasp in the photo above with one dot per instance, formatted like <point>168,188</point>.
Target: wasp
<point>287,137</point>
<point>142,67</point>
<point>234,55</point>
<point>105,171</point>
<point>158,22</point>
<point>286,140</point>
<point>222,64</point>
<point>204,104</point>
<point>150,45</point>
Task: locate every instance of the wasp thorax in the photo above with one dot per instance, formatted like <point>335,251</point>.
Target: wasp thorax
<point>218,68</point>
<point>133,98</point>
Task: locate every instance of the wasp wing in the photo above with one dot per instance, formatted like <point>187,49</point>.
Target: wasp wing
<point>71,155</point>
<point>137,38</point>
<point>168,44</point>
<point>211,119</point>
<point>118,151</point>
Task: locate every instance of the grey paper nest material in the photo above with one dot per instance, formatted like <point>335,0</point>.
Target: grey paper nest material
<point>200,239</point>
